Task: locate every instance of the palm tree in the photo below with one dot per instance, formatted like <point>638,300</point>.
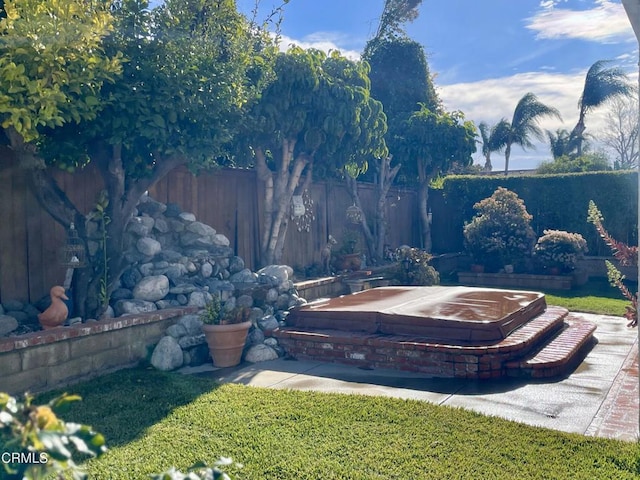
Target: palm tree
<point>523,124</point>
<point>491,138</point>
<point>561,143</point>
<point>600,85</point>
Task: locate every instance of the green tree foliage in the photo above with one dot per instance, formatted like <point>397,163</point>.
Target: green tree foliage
<point>190,67</point>
<point>588,162</point>
<point>394,15</point>
<point>52,65</point>
<point>600,84</point>
<point>561,143</point>
<point>524,123</point>
<point>431,143</point>
<point>317,113</point>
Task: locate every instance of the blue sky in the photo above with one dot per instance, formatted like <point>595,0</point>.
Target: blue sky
<point>486,54</point>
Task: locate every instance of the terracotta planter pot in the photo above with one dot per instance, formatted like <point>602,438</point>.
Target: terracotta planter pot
<point>477,268</point>
<point>226,342</point>
<point>350,261</point>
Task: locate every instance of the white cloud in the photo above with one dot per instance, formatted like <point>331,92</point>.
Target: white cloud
<point>606,21</point>
<point>492,99</point>
<point>324,41</point>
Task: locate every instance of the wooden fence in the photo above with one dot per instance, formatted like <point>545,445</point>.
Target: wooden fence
<point>228,200</point>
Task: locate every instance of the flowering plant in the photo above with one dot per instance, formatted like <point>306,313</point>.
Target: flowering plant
<point>560,249</point>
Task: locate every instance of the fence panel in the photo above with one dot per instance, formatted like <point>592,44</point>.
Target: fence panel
<point>228,200</point>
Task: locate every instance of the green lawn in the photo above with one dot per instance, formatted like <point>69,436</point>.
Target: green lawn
<point>153,420</point>
<point>597,296</point>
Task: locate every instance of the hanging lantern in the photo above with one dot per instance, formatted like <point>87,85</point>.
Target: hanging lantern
<point>72,255</point>
<point>354,214</point>
<point>298,208</point>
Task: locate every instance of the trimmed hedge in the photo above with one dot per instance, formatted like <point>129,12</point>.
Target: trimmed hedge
<point>558,202</point>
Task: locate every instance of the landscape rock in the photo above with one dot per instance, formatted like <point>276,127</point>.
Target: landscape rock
<point>7,324</point>
<point>176,331</point>
<point>260,353</point>
<point>148,246</point>
<point>134,306</point>
<point>268,323</point>
<point>191,323</point>
<point>167,355</point>
<point>152,288</point>
<point>191,341</point>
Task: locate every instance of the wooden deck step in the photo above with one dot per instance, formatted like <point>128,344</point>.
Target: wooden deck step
<point>558,356</point>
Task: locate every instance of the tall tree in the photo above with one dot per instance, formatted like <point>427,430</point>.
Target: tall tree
<point>317,110</point>
<point>190,67</point>
<point>433,141</point>
<point>561,142</point>
<point>491,141</point>
<point>600,84</point>
<point>524,123</point>
<point>394,15</point>
<point>620,133</point>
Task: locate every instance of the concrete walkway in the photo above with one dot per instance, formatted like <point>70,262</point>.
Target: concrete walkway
<point>600,398</point>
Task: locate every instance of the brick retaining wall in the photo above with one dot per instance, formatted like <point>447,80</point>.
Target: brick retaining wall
<point>49,359</point>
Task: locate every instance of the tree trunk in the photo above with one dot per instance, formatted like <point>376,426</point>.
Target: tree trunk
<point>487,163</point>
<point>352,186</point>
<point>507,154</point>
<point>423,198</point>
<point>277,199</point>
<point>425,223</point>
<point>578,134</point>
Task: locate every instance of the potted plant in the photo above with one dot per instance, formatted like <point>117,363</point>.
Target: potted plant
<point>558,251</point>
<point>226,332</point>
<point>348,257</point>
<point>500,233</point>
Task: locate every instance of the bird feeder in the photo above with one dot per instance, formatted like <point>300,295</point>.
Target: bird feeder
<point>72,254</point>
<point>354,214</point>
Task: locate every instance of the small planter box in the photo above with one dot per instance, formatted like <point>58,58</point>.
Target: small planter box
<point>516,280</point>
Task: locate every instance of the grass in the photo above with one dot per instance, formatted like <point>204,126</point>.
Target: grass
<point>597,296</point>
<point>153,420</point>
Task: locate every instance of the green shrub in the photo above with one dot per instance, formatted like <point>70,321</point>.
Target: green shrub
<point>38,444</point>
<point>559,249</point>
<point>557,202</point>
<point>500,233</point>
<point>413,268</point>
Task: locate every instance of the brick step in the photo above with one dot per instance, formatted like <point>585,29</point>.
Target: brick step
<point>559,355</point>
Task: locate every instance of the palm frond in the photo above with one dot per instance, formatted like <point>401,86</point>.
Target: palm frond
<point>601,84</point>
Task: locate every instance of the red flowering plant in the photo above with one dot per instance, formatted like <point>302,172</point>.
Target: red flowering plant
<point>625,254</point>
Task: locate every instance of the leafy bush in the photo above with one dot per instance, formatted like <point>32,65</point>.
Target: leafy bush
<point>560,249</point>
<point>589,162</point>
<point>500,233</point>
<point>38,444</point>
<point>199,471</point>
<point>413,268</point>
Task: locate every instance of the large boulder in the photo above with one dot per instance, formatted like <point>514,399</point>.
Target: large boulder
<point>167,355</point>
<point>152,288</point>
<point>260,353</point>
<point>134,306</point>
<point>7,324</point>
<point>148,246</point>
